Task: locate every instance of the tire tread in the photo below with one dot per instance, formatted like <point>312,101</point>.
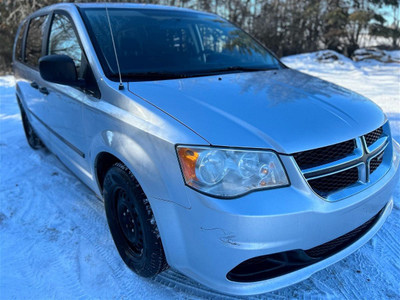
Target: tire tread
<point>156,262</point>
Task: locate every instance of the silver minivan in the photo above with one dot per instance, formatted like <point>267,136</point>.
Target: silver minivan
<point>212,156</point>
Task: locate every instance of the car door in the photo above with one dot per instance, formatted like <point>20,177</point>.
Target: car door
<point>65,102</point>
<point>28,77</point>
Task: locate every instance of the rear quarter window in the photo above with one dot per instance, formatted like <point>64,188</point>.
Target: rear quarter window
<point>33,49</point>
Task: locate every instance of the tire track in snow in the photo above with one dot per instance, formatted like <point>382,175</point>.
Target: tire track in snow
<point>180,282</point>
<point>90,235</point>
<point>95,236</point>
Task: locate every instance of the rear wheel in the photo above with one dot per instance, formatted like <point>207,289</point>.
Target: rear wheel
<point>33,139</point>
<point>132,223</point>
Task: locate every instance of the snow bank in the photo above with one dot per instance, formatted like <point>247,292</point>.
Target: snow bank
<point>377,55</point>
<point>7,82</point>
<point>326,60</point>
<point>332,60</point>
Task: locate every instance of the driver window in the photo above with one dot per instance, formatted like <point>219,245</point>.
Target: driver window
<point>63,40</point>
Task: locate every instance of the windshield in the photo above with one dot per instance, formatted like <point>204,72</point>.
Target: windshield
<point>153,43</point>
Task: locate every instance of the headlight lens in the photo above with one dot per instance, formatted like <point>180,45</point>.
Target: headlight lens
<point>228,172</point>
<point>210,168</point>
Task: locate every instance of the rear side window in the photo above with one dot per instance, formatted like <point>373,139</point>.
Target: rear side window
<point>63,39</point>
<point>33,49</point>
<point>18,46</point>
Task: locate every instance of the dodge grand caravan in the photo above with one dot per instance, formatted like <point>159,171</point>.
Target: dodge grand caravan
<point>212,156</point>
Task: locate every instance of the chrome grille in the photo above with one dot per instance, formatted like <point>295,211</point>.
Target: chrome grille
<point>373,136</point>
<point>316,157</point>
<point>327,184</point>
<point>375,163</point>
<point>329,170</point>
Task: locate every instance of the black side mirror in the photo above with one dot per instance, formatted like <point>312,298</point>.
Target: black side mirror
<point>59,69</point>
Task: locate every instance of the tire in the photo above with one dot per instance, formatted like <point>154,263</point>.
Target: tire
<point>33,139</point>
<point>132,223</point>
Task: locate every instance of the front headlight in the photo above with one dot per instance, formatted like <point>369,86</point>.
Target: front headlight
<point>230,173</point>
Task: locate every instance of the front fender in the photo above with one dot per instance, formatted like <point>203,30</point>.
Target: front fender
<point>147,165</point>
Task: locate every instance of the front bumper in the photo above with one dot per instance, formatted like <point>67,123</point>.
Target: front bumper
<point>213,236</point>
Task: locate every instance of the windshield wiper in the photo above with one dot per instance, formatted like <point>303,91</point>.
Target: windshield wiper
<point>242,69</point>
<point>155,75</point>
<point>152,75</point>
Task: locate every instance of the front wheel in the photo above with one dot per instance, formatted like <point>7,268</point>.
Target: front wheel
<point>132,223</point>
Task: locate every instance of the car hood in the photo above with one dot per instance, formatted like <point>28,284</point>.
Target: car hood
<point>284,110</point>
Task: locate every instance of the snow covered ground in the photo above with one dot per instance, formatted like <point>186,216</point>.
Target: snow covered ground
<point>55,243</point>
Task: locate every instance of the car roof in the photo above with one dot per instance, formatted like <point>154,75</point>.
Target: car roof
<point>67,6</point>
<point>132,5</point>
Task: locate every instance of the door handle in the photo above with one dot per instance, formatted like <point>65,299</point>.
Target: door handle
<point>44,90</point>
<point>34,85</point>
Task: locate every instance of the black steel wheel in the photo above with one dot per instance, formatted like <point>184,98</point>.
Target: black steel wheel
<point>132,223</point>
<point>33,139</point>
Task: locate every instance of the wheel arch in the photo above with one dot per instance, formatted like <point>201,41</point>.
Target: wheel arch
<point>148,162</point>
<point>103,162</point>
<point>19,101</point>
<point>110,147</point>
